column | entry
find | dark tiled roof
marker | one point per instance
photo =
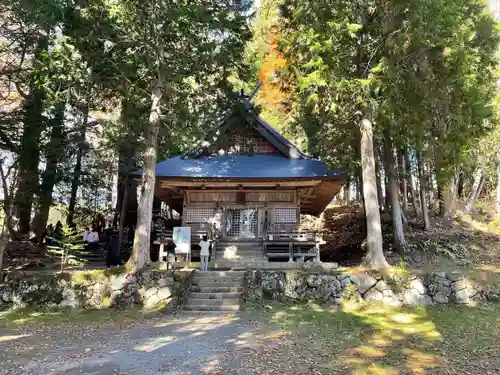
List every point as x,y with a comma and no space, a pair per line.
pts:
265,166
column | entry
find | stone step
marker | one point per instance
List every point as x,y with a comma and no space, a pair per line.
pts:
216,289
222,248
258,258
204,314
239,256
210,274
236,251
216,283
91,256
233,280
229,295
219,248
239,243
212,302
212,307
240,252
237,264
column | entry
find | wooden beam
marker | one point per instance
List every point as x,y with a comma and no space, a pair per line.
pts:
307,196
236,190
229,184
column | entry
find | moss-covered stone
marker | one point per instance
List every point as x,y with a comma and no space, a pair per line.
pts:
95,289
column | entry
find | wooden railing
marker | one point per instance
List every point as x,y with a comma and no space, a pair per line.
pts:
196,235
294,245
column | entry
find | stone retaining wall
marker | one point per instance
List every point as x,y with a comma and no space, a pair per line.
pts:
438,287
95,289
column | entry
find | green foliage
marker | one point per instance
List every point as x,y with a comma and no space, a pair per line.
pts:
424,70
67,59
69,248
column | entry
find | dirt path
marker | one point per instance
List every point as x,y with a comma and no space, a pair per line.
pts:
163,344
160,344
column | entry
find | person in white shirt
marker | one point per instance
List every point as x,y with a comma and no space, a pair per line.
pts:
204,253
92,239
86,234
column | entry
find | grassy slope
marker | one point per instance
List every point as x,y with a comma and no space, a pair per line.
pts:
375,340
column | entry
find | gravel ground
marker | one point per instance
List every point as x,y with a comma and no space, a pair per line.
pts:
162,344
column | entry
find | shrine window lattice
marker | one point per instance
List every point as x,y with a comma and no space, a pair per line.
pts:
252,143
285,219
199,215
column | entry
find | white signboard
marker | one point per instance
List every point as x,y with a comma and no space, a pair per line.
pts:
182,240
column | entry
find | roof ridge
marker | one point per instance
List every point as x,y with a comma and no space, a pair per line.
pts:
280,142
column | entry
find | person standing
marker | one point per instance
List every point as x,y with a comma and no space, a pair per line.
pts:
49,233
170,254
58,232
131,234
204,253
113,252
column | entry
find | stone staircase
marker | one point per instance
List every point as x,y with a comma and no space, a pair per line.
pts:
248,252
216,291
95,257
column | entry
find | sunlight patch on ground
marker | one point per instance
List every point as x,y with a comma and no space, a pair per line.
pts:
11,337
488,268
155,344
368,339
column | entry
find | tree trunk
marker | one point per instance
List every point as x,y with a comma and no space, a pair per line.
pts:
380,194
126,163
440,195
358,190
7,227
349,189
460,188
77,171
123,212
423,193
411,184
157,206
125,187
397,220
476,190
4,240
55,151
140,253
498,189
374,256
29,151
378,171
403,180
430,187
449,199
109,192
